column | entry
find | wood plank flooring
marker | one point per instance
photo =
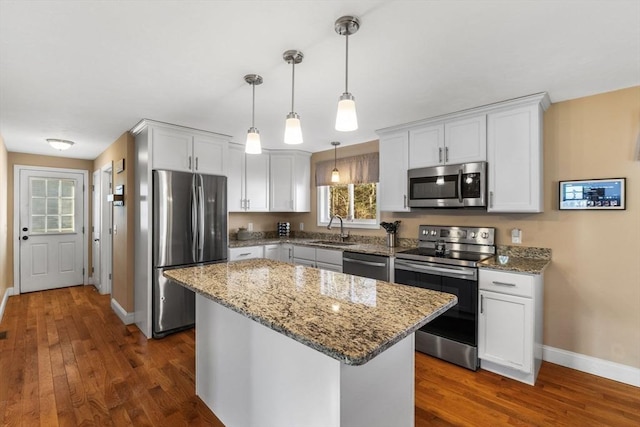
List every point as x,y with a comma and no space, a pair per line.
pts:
67,360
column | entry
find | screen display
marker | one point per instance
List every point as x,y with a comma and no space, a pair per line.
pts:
593,194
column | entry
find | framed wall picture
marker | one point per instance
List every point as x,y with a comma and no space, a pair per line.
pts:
593,194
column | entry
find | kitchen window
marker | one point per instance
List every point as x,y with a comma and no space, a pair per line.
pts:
357,204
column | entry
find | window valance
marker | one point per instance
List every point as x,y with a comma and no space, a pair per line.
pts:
361,169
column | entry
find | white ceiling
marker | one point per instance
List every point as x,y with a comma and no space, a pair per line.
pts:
90,70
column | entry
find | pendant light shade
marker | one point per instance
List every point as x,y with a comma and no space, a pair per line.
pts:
335,175
253,145
293,130
60,144
346,118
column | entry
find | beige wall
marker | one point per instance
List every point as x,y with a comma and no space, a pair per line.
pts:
5,282
592,287
44,161
123,220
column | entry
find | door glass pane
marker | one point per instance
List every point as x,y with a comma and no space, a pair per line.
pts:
52,203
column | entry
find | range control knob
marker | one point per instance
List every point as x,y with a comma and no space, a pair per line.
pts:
433,232
484,235
473,234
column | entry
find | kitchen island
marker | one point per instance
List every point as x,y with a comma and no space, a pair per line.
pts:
279,344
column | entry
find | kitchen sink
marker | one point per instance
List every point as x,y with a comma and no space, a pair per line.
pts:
332,243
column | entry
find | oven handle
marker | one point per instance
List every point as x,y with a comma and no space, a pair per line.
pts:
403,265
367,263
460,185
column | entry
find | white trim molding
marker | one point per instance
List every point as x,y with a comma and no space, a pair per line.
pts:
127,318
592,365
3,304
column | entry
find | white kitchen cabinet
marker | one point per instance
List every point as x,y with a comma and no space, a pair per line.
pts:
247,252
465,140
394,162
290,181
248,183
426,146
326,259
515,157
272,251
510,324
188,150
286,253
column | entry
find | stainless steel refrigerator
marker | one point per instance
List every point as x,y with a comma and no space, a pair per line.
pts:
189,228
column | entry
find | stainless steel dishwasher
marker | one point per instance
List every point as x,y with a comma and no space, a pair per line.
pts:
366,265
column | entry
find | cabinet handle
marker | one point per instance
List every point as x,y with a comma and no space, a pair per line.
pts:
440,155
248,203
189,162
245,254
196,163
405,201
446,154
511,285
490,199
481,304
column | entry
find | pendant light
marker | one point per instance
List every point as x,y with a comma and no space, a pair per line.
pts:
253,135
60,144
346,118
292,130
335,175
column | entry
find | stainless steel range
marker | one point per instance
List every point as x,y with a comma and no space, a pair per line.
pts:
446,260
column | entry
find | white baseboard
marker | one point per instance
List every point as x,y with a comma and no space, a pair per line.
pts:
127,318
7,293
592,365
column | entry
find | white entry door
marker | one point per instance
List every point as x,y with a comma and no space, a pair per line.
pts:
96,229
51,229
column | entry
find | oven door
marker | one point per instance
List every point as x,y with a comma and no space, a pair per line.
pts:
459,323
449,186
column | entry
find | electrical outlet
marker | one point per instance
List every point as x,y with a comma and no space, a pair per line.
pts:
302,226
516,235
250,226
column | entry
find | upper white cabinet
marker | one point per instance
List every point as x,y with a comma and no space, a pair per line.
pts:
187,150
449,142
394,161
290,181
515,157
248,183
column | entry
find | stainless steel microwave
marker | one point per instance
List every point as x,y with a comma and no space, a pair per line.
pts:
448,186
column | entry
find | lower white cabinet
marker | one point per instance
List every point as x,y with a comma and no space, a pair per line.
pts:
326,259
272,251
247,252
510,324
286,252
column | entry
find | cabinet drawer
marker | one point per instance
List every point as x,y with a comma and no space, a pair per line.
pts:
506,283
304,252
248,252
329,266
329,256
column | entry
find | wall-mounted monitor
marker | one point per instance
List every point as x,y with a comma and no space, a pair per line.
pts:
593,194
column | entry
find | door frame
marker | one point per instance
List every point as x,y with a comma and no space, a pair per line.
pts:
106,225
16,219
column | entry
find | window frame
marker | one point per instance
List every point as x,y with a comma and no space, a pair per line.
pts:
322,195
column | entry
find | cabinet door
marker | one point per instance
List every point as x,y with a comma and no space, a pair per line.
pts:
272,252
505,330
514,149
426,146
210,155
286,253
305,262
248,252
465,140
282,192
331,267
394,161
257,182
235,180
171,149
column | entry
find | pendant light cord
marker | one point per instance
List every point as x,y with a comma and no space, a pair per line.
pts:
293,81
346,72
253,106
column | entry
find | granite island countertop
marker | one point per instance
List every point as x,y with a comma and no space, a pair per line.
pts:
349,318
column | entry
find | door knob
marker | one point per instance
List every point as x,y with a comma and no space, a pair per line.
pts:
96,240
25,237
25,229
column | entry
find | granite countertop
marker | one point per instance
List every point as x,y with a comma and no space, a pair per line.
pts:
349,318
519,259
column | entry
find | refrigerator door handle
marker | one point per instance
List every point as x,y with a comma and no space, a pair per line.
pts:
200,219
194,220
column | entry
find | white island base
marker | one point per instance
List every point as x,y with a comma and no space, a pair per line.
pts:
250,375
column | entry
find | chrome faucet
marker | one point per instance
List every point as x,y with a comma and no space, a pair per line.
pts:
342,235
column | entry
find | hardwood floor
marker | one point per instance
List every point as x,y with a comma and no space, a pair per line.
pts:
68,360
